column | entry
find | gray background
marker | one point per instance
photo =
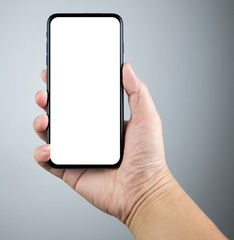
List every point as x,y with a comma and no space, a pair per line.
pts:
183,50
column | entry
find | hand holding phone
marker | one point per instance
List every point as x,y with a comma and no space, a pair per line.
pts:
116,191
142,192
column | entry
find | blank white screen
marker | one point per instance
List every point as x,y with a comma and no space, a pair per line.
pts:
85,90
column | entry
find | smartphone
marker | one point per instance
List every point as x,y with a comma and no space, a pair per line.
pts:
85,91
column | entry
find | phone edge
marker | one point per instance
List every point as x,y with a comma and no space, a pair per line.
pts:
67,166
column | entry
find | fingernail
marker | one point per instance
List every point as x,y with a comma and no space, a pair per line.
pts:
44,149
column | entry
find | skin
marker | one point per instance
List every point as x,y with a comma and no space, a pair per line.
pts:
142,192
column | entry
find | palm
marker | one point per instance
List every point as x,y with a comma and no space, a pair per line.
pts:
104,188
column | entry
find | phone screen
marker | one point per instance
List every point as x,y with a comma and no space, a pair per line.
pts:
84,72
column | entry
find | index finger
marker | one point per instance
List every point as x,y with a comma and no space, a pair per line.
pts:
44,75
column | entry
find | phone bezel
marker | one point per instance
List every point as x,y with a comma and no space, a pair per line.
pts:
50,162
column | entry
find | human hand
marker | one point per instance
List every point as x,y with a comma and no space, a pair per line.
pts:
143,169
142,192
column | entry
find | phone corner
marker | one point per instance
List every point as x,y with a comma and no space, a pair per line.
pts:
52,164
51,17
118,17
118,163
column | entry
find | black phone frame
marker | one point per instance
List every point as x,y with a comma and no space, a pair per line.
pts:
66,166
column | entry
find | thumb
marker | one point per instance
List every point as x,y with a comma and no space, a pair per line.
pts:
140,100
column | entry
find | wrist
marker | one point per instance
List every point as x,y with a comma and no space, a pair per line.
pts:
167,212
150,206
